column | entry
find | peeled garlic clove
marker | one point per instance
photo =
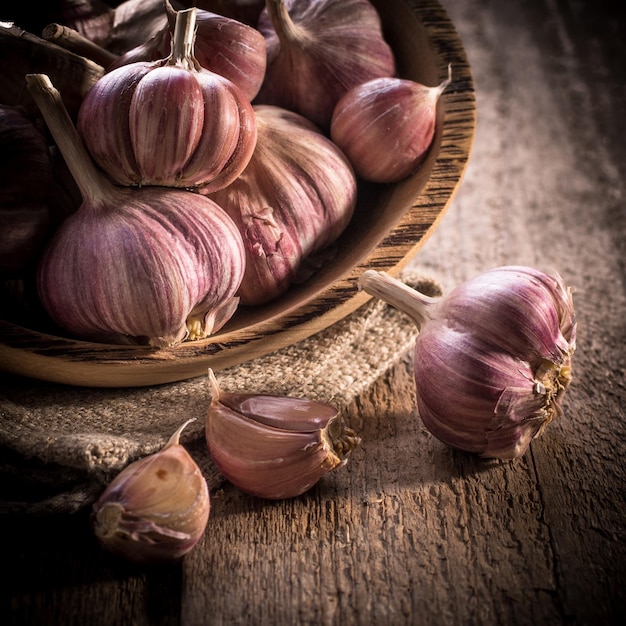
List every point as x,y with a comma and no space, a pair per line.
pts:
275,447
223,45
293,200
493,358
156,509
385,126
134,265
319,49
170,122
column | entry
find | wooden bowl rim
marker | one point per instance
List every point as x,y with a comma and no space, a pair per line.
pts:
64,360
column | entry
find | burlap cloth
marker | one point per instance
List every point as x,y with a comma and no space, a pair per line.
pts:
60,445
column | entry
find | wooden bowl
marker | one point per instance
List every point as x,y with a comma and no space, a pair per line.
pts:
393,222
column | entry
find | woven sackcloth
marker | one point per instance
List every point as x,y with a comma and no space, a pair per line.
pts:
59,445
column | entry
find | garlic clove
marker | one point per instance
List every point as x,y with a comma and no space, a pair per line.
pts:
156,509
493,358
275,447
291,203
385,126
319,49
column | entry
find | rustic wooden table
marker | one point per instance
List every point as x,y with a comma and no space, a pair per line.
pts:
412,532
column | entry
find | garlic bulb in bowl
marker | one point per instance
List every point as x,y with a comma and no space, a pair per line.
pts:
147,265
393,222
169,122
317,50
293,200
386,125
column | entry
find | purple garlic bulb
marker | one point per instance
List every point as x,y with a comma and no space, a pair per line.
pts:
492,359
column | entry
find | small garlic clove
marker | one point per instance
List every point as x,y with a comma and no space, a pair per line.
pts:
275,447
156,509
385,126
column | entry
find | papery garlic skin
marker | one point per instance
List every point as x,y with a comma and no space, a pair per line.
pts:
147,268
275,447
493,358
149,265
170,122
293,200
482,400
156,509
317,50
223,45
385,126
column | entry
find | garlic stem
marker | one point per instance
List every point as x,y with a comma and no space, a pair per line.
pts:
73,41
94,187
184,39
174,440
411,302
285,28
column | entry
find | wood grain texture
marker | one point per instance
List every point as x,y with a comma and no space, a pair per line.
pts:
410,531
391,223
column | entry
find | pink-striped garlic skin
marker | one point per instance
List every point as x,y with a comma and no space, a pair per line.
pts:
169,123
291,203
146,124
154,266
493,365
493,358
223,45
317,50
385,127
275,447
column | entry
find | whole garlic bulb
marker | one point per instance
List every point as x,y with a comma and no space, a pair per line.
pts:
275,447
293,200
492,359
386,125
170,122
149,265
223,45
317,50
156,509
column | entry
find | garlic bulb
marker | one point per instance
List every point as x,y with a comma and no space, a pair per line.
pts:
223,45
169,122
317,50
492,360
149,265
275,447
25,188
156,509
386,125
293,200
